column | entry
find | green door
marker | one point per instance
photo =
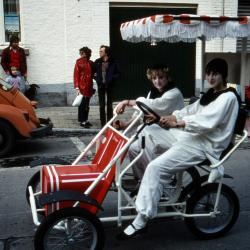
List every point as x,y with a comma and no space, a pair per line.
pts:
135,58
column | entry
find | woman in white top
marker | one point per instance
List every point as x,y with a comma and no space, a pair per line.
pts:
202,130
163,98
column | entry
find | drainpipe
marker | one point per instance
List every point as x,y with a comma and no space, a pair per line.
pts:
243,67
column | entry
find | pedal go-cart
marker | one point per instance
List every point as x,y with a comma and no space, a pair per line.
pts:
72,195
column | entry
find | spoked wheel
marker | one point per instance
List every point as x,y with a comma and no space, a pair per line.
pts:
70,228
203,202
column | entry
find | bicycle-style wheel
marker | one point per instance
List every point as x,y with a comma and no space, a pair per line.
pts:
203,201
70,228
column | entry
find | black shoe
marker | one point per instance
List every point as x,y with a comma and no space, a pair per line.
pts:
84,124
88,124
123,236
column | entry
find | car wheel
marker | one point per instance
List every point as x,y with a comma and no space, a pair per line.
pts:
7,138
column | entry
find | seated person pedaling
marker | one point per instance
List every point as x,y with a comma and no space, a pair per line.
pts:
202,130
163,98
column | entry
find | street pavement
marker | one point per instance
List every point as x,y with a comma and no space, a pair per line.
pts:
17,229
69,139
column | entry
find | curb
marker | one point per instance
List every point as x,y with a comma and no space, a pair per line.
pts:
72,131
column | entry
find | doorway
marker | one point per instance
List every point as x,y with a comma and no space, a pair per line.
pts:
135,58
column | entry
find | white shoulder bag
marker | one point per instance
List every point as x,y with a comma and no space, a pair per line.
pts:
77,101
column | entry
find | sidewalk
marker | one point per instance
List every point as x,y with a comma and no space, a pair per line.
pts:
67,117
65,120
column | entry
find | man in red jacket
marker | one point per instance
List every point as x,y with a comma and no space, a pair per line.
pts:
83,83
14,56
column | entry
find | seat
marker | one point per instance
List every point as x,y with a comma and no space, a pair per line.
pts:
80,177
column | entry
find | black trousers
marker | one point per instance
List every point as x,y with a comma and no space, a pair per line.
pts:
83,109
103,94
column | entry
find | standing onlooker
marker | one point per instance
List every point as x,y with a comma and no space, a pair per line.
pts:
14,56
107,72
83,83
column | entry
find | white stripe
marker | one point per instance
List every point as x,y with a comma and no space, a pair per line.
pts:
80,174
57,178
79,144
57,183
104,151
51,185
80,180
51,179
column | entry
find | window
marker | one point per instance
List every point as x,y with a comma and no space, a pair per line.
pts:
11,18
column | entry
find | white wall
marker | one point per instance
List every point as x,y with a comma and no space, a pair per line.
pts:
53,31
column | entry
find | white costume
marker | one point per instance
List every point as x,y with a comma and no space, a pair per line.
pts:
208,131
171,100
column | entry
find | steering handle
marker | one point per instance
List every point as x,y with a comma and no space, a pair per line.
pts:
147,111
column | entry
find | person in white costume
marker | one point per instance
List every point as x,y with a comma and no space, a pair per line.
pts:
202,130
163,98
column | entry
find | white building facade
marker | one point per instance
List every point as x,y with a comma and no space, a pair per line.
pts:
53,32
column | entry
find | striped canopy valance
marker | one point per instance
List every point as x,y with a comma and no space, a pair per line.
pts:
186,28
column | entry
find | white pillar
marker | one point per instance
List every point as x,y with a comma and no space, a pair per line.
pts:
243,67
203,51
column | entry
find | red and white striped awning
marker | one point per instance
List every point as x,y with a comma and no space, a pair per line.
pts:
186,28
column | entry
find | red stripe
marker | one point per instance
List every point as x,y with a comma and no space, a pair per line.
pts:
168,19
223,19
243,20
185,19
205,18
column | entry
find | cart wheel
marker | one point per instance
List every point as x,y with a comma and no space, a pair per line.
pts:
7,138
203,202
70,228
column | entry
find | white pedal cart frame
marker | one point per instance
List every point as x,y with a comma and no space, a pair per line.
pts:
179,208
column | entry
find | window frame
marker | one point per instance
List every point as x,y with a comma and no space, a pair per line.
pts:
2,27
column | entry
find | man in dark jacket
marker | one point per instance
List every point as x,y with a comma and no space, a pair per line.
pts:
107,72
13,57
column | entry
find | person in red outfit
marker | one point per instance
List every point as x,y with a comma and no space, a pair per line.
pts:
14,56
83,83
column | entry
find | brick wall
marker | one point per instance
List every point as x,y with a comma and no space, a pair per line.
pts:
53,31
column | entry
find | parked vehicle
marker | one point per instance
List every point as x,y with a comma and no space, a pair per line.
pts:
18,118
